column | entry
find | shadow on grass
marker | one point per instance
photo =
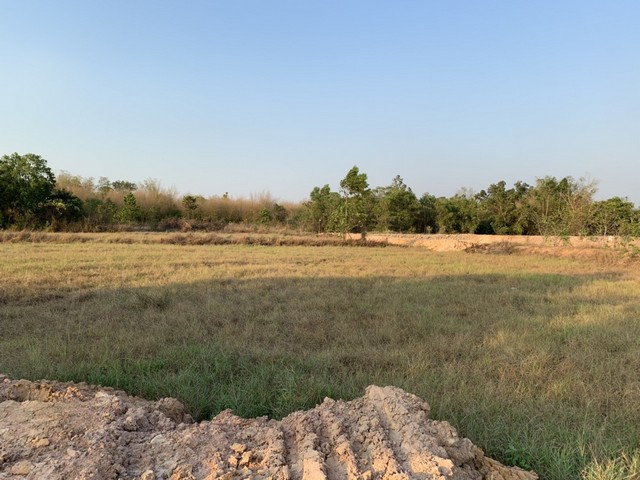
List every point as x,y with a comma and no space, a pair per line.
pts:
533,368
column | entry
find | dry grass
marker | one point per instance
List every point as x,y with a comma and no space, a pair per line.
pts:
536,359
232,235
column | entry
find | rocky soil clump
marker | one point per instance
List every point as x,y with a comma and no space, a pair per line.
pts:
52,430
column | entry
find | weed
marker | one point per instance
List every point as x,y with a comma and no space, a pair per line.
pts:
518,456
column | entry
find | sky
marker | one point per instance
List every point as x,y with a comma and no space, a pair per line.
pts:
280,96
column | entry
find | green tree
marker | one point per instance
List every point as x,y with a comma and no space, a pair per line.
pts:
99,214
61,208
26,184
614,216
358,202
427,218
458,214
130,211
265,216
190,204
124,186
560,207
501,210
280,213
397,207
322,209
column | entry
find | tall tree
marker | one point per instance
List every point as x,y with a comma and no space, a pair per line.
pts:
61,208
501,210
614,216
130,211
26,183
398,207
560,207
357,206
427,218
190,204
322,209
458,214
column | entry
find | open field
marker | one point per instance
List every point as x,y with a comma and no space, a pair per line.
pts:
535,358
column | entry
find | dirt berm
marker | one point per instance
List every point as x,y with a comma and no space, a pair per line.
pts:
52,430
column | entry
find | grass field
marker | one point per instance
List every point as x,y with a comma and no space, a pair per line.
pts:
536,359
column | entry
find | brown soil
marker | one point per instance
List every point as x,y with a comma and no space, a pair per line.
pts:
603,248
64,430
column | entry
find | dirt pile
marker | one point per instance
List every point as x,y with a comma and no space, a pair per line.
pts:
606,249
63,430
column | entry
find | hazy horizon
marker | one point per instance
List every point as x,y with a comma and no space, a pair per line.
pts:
279,97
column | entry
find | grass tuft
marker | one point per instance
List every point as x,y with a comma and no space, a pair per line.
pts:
624,466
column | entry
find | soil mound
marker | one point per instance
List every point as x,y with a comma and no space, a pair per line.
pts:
64,430
606,249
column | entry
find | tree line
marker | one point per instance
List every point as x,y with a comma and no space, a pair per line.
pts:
32,197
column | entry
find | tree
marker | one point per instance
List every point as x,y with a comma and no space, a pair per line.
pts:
560,207
190,204
265,216
280,213
123,186
427,218
130,211
398,207
321,210
358,202
458,214
62,207
104,186
274,214
98,213
501,210
26,184
615,216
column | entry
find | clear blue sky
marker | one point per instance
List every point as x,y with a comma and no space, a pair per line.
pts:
245,96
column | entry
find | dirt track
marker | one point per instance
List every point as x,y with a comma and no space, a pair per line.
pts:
63,431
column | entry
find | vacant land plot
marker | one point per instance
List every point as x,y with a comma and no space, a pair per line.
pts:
536,359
